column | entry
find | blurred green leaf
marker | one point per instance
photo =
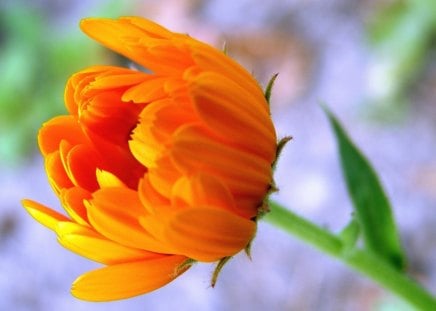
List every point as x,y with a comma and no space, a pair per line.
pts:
36,59
372,207
401,36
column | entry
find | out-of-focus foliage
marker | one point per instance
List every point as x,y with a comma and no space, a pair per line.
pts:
36,59
401,34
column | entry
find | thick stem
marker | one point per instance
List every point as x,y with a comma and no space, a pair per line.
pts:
363,261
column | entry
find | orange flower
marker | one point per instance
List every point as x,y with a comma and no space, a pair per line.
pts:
154,169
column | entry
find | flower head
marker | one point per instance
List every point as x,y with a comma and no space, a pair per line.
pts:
154,169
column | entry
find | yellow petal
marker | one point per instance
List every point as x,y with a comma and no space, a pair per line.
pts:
43,214
145,152
208,234
106,179
86,242
126,280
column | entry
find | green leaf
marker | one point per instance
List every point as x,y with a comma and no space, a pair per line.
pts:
372,207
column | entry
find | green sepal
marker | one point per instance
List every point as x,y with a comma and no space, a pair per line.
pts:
280,145
220,265
225,48
184,266
269,87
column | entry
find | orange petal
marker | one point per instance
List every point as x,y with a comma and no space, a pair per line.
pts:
57,176
107,116
208,234
115,77
80,162
116,212
73,203
86,242
149,90
57,129
234,114
163,176
44,215
150,28
202,189
213,60
150,198
142,41
99,78
194,150
143,145
158,122
118,160
126,280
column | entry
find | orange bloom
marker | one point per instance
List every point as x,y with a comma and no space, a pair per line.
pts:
155,168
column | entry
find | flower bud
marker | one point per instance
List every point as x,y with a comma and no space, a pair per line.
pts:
154,169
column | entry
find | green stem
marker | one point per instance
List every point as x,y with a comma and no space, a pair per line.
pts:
363,261
303,229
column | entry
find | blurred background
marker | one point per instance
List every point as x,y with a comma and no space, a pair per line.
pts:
372,61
